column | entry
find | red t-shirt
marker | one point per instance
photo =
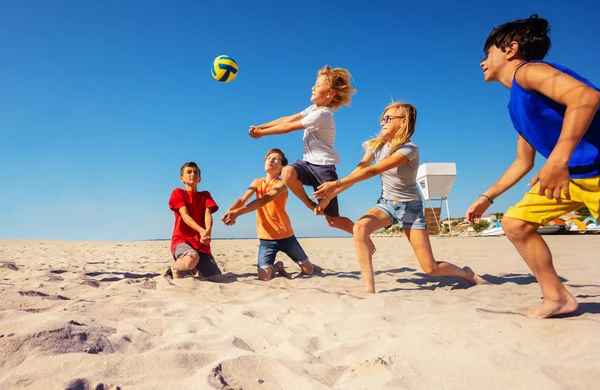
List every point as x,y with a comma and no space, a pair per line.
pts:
196,204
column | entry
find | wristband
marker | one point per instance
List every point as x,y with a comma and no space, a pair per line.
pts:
487,197
337,183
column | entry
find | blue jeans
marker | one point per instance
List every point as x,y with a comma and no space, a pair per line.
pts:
407,215
268,249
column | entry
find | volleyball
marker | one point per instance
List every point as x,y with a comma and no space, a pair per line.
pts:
224,68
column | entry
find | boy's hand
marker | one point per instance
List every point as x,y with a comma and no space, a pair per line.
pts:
229,218
321,206
225,217
325,190
205,239
554,179
477,209
255,132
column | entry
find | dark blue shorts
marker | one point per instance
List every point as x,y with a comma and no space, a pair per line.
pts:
207,265
315,175
268,249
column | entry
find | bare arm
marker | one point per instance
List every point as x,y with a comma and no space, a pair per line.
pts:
293,123
363,171
187,218
249,192
520,167
226,218
581,103
283,119
208,222
279,189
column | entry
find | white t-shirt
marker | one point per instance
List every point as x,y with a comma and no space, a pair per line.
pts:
319,136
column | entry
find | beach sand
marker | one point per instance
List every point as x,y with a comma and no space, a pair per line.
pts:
100,315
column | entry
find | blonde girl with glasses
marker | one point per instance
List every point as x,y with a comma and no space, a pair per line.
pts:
396,161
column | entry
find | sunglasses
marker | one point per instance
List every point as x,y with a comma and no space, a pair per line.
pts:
388,118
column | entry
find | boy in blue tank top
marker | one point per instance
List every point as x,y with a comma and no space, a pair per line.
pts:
555,113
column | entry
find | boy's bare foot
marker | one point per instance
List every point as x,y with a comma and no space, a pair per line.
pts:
278,268
177,274
549,308
473,278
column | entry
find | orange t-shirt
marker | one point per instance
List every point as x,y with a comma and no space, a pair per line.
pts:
272,221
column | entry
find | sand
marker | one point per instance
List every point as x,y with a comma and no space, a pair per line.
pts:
100,315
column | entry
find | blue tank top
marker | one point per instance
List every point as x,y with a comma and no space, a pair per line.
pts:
539,119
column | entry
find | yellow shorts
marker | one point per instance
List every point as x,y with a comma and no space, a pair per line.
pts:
539,209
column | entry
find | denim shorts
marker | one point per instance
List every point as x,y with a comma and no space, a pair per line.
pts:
268,249
407,215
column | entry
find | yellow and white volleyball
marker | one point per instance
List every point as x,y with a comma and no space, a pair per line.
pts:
224,69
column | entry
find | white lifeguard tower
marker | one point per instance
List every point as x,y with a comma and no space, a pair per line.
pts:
435,181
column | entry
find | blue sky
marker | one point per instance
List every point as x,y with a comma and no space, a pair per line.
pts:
102,101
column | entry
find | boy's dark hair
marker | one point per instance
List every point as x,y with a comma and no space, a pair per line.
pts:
284,160
190,164
531,34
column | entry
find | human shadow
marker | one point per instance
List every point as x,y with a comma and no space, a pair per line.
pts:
122,275
431,283
226,277
520,279
582,296
324,272
426,282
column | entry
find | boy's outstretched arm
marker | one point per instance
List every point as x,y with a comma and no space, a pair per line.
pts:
226,219
277,190
280,126
187,218
582,104
283,119
520,167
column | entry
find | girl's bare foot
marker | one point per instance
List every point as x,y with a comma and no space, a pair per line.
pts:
473,278
549,307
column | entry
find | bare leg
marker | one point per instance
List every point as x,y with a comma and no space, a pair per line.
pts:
341,223
290,176
183,264
278,268
347,225
307,268
533,249
374,219
265,274
419,240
